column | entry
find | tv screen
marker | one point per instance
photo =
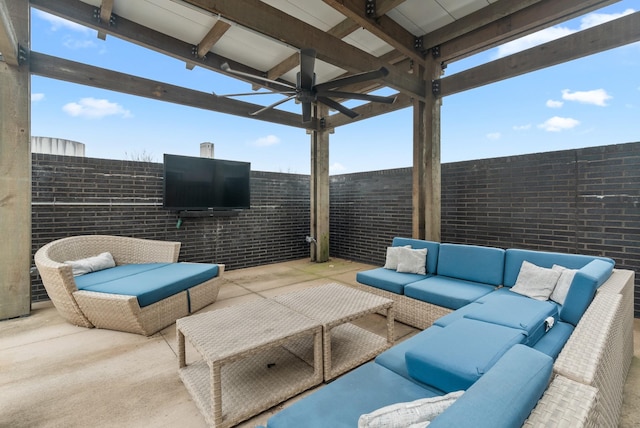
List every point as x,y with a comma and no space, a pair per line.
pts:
192,183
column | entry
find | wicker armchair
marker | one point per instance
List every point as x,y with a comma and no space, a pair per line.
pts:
114,311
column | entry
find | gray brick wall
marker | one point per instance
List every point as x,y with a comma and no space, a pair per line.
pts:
583,201
73,196
576,201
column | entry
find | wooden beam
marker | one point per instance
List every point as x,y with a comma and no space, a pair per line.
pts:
8,38
82,13
537,16
609,35
106,9
259,16
381,26
83,74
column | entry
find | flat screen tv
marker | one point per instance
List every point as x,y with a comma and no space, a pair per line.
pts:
197,184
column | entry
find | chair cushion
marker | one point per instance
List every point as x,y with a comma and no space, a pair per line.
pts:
151,283
553,341
459,354
447,292
472,263
386,279
583,288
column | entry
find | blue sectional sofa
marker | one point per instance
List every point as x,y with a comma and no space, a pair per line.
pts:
496,337
123,283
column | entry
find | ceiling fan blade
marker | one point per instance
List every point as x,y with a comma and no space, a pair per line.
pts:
306,112
280,86
256,93
270,106
337,106
356,96
307,64
355,78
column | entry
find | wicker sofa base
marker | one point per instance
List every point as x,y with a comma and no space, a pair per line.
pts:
413,312
116,311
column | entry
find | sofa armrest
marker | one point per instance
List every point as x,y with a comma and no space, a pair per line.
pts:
583,288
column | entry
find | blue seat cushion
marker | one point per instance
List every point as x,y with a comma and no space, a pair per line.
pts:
447,292
340,403
114,273
504,396
394,357
472,263
150,283
387,279
459,354
553,341
516,311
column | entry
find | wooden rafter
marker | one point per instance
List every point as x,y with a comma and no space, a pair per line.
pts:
211,38
381,26
259,16
609,35
106,9
8,38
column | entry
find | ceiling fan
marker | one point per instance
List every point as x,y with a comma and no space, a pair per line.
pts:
307,92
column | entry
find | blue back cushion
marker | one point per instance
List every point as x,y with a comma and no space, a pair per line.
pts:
472,263
504,396
514,258
583,289
433,249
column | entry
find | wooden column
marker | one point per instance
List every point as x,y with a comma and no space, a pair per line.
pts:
320,190
426,159
15,164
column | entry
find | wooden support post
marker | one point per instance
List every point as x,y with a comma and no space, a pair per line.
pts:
426,159
320,189
15,171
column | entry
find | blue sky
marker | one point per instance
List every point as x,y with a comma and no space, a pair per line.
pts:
587,102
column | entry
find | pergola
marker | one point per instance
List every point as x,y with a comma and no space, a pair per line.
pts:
413,39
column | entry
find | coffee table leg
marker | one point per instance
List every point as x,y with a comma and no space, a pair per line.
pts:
216,392
182,361
390,324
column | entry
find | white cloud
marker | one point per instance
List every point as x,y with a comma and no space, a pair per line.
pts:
596,97
593,19
553,33
557,124
60,23
336,167
554,104
37,97
269,140
73,43
522,127
92,108
494,135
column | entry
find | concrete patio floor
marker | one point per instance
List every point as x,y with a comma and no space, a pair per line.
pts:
54,374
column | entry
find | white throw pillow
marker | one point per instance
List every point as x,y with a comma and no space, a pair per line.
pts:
415,413
412,261
535,281
559,293
392,257
91,264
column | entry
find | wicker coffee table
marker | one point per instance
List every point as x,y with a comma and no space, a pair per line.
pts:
245,367
344,345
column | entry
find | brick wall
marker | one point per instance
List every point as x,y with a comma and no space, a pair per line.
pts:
73,196
576,201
